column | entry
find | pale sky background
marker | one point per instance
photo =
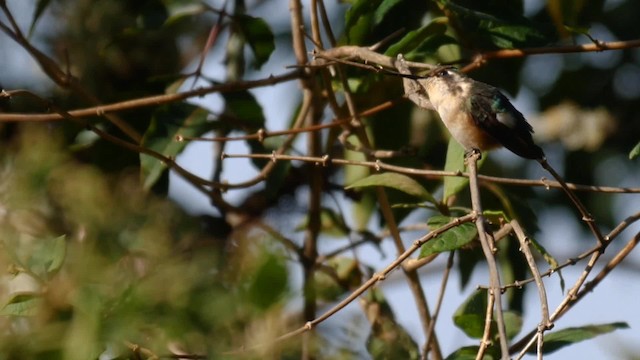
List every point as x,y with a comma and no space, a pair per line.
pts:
619,291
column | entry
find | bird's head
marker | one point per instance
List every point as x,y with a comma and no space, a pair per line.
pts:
446,81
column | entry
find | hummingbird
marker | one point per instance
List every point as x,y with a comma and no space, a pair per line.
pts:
478,115
480,118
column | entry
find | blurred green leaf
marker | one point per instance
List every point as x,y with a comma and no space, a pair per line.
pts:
341,274
471,352
359,17
512,323
57,253
167,124
556,340
451,239
184,14
22,305
259,37
635,152
467,261
331,223
455,162
495,26
270,282
387,340
395,181
470,316
416,38
383,9
244,111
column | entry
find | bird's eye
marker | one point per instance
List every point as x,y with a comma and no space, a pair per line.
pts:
443,73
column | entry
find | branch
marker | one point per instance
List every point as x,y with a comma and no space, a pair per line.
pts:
381,276
155,100
378,165
488,247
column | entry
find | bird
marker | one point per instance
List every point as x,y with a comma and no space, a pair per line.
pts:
480,118
478,115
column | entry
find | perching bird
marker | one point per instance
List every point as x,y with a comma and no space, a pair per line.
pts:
480,118
478,115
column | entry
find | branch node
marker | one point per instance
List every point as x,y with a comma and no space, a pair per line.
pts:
377,166
274,156
326,160
308,325
262,134
545,182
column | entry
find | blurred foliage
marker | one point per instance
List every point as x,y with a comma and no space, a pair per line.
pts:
95,264
98,266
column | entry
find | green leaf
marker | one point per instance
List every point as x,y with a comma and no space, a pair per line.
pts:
331,223
395,181
342,274
24,304
558,339
387,340
184,14
360,14
383,9
470,315
497,25
168,122
455,162
512,323
635,152
415,38
244,111
451,239
57,254
470,353
47,256
270,282
259,36
363,209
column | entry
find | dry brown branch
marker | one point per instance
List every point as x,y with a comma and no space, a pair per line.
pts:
380,276
380,165
488,248
155,100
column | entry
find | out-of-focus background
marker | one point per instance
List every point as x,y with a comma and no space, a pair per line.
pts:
110,254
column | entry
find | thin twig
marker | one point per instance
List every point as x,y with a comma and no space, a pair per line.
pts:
586,216
380,165
494,293
155,100
544,324
380,276
436,311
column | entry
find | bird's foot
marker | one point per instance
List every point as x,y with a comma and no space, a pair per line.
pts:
472,153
